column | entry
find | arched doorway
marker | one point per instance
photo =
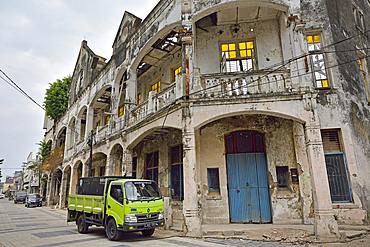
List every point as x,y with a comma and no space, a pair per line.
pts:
249,196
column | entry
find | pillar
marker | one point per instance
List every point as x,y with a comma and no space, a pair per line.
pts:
325,224
63,192
193,227
50,189
305,187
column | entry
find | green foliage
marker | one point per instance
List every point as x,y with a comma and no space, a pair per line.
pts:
1,162
56,100
44,150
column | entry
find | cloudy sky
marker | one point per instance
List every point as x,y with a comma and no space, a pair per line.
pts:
39,43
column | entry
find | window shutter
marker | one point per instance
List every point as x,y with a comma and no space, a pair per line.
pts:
331,142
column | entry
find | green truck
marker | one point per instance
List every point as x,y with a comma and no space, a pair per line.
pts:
119,204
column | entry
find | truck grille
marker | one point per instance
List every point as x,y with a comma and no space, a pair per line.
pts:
146,217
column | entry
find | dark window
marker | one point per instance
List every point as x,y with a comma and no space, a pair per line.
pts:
134,166
93,172
176,173
282,177
213,180
116,193
336,168
152,166
102,171
294,175
245,142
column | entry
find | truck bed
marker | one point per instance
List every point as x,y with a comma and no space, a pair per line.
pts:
86,204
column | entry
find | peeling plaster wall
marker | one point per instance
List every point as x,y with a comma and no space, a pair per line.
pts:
267,42
280,150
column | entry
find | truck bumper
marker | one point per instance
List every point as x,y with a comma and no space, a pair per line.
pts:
134,227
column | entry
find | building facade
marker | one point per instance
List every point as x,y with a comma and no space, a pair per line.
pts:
242,111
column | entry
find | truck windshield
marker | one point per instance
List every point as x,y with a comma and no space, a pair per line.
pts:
142,190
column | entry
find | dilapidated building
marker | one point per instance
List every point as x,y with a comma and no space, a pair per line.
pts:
242,111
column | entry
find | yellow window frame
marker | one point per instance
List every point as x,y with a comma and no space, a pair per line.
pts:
155,86
106,120
121,110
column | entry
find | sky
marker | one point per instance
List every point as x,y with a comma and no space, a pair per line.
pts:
39,43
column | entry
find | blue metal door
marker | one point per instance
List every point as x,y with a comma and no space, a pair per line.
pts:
249,199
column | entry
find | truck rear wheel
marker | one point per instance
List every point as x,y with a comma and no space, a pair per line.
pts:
82,227
148,232
112,231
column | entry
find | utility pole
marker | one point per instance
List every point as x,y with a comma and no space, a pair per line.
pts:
91,145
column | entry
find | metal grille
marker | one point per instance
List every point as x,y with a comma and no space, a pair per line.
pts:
337,176
141,218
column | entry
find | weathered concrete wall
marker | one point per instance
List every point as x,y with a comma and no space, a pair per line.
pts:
265,34
280,151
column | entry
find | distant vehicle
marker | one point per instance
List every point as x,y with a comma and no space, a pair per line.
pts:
20,197
33,200
11,197
2,196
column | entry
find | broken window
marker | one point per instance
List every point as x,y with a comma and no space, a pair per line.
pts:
213,180
238,56
336,167
138,98
177,192
175,71
318,61
155,86
121,110
151,171
363,68
282,177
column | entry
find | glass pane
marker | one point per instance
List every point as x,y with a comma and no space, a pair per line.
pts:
213,178
244,143
249,53
317,39
225,47
243,53
325,83
232,47
242,46
232,54
249,45
309,39
142,190
230,144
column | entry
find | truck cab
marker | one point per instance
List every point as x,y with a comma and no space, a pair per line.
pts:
117,203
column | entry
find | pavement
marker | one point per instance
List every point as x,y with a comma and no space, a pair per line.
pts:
46,226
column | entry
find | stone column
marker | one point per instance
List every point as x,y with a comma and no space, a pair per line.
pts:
325,224
110,165
63,192
89,121
73,181
304,178
50,189
193,225
127,162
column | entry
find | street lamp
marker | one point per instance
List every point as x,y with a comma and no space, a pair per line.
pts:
23,166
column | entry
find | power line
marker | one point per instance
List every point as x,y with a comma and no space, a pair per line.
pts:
19,89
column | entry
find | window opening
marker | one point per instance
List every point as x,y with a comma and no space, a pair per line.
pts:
177,192
155,86
340,190
176,71
213,180
238,56
116,192
106,120
282,177
318,62
151,171
121,110
363,68
102,171
245,142
139,98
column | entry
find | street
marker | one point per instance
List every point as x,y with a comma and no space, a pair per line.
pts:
21,226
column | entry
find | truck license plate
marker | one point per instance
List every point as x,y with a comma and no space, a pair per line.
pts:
148,225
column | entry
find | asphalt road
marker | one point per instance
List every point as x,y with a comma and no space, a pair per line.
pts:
21,226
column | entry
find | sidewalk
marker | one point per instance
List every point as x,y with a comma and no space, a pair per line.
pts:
298,234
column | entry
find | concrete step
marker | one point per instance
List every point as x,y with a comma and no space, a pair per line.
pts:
176,225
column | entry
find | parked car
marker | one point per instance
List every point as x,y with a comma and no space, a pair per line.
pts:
20,197
33,200
2,196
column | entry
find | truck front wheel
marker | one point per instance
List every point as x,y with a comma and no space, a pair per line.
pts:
148,233
112,231
81,224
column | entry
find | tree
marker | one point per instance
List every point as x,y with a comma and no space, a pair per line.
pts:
1,162
44,150
53,160
56,99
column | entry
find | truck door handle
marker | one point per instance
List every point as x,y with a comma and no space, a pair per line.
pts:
108,206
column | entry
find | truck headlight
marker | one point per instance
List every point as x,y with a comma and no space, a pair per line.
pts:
161,215
130,218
